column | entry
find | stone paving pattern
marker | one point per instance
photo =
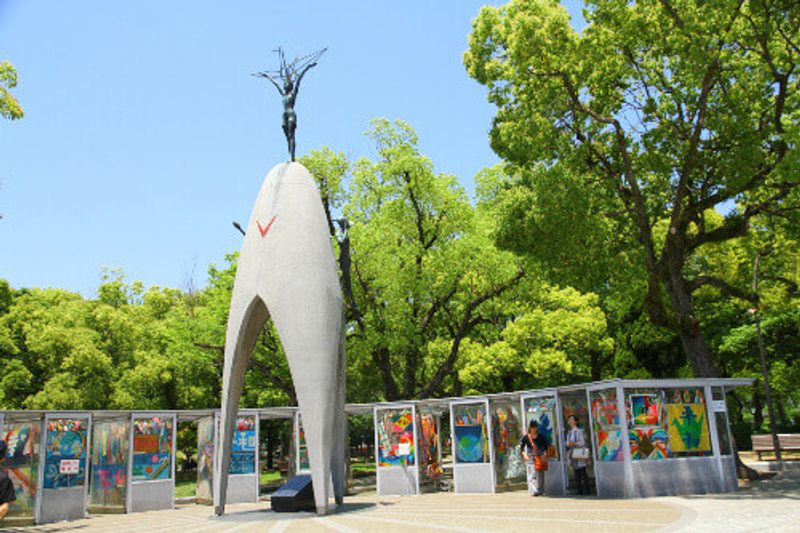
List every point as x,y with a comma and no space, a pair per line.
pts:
769,505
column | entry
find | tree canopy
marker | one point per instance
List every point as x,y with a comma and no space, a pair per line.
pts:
624,138
9,106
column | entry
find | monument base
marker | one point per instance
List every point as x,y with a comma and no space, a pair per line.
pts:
295,495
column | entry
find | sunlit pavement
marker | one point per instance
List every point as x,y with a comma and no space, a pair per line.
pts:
772,505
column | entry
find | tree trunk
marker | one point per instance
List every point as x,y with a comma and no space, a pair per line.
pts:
692,339
680,295
270,444
782,414
758,407
697,352
596,365
457,387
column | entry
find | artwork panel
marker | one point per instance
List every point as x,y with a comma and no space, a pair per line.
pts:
242,463
396,438
21,465
302,450
542,410
109,471
472,415
152,448
688,428
692,395
152,435
469,414
609,445
469,444
431,469
205,458
244,441
577,407
605,414
506,432
151,466
65,453
245,447
645,409
648,443
145,444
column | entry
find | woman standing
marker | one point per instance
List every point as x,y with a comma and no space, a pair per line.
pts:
534,450
578,454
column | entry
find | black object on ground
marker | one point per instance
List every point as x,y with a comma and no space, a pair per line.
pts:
295,495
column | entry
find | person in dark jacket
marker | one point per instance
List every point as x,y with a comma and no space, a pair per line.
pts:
533,445
7,492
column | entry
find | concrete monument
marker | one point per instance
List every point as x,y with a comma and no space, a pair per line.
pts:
287,271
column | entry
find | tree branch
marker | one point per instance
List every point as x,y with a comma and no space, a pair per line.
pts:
737,225
670,9
437,304
723,286
642,219
466,323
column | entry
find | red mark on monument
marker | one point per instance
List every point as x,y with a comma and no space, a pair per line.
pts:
264,229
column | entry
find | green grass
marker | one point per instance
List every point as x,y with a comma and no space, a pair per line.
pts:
186,482
270,476
362,467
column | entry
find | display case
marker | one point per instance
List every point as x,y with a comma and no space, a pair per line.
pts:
63,470
396,450
151,467
473,456
22,438
109,465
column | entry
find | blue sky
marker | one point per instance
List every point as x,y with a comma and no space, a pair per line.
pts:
145,135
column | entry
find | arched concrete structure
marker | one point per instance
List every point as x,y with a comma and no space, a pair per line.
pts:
287,271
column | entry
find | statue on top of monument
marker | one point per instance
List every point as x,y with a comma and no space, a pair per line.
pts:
290,74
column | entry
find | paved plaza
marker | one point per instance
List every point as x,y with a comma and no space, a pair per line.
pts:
769,505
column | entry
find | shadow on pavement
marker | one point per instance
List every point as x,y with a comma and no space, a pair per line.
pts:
784,485
267,514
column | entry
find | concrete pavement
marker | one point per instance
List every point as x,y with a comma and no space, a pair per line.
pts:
769,505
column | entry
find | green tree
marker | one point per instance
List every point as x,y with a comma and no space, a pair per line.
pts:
9,106
420,268
656,113
561,338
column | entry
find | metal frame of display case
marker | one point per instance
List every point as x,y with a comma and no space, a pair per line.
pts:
397,480
679,475
559,465
238,483
132,500
297,423
708,472
477,471
68,507
34,420
423,409
102,509
611,474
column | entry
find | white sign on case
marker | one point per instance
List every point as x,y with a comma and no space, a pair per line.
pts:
404,448
720,406
69,466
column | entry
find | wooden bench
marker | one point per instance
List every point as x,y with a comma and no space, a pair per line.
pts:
788,442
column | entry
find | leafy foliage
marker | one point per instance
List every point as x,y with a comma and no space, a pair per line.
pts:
622,139
9,106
